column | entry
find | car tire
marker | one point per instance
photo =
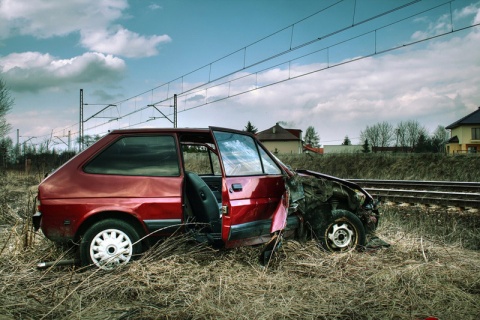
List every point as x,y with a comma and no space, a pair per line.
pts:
109,243
342,232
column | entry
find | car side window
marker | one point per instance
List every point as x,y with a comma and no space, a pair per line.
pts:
138,156
200,160
241,156
269,166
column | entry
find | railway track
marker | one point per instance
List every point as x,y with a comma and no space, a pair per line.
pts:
441,193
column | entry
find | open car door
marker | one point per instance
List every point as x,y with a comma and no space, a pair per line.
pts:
253,188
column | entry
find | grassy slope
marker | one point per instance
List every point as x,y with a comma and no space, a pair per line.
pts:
384,166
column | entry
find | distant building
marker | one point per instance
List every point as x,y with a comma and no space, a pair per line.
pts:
465,134
342,149
280,140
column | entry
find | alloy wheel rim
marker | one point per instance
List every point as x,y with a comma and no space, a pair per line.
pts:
341,235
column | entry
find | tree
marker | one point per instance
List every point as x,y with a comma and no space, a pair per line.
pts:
7,154
366,147
88,140
440,138
424,144
311,137
251,128
408,134
6,103
379,135
346,141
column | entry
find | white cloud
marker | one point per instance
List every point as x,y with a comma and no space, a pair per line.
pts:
466,12
122,42
32,71
154,6
93,19
49,18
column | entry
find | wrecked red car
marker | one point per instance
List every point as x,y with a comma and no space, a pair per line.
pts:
222,186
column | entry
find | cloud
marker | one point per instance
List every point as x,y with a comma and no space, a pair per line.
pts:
154,6
446,22
102,95
33,71
122,42
436,84
49,18
94,20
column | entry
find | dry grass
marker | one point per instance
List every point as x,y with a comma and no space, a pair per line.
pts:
415,278
428,271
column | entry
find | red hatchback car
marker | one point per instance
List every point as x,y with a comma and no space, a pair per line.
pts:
220,185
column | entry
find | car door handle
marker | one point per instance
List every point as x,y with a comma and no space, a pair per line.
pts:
237,187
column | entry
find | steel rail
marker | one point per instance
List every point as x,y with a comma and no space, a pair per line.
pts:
442,193
449,186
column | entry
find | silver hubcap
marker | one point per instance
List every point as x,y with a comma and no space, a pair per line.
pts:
111,248
341,235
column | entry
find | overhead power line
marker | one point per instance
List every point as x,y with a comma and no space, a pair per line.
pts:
178,85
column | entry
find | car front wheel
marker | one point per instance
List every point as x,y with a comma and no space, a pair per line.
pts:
109,243
343,232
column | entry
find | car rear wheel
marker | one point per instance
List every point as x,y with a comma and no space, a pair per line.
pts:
109,243
342,232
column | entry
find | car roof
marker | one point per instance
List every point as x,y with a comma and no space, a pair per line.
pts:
160,130
176,130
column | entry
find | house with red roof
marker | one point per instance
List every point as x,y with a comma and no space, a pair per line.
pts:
465,134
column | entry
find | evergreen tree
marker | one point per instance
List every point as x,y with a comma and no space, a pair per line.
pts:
366,147
250,128
424,144
346,141
312,138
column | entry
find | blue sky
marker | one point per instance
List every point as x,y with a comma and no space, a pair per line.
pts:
270,64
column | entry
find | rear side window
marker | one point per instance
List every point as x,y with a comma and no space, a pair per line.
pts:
138,156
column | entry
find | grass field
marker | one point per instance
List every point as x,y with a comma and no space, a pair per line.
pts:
431,269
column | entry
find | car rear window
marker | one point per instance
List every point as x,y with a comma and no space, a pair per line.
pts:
138,156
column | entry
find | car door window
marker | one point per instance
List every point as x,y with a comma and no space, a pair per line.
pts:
269,166
138,156
241,156
201,160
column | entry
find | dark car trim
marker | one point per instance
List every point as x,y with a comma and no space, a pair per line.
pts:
167,224
259,228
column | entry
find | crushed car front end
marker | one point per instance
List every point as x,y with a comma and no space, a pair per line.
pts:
338,213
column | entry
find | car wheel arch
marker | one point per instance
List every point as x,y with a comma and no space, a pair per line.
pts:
103,215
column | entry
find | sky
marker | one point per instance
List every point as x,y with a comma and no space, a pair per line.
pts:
336,65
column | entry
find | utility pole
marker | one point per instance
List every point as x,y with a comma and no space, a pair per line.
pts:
17,148
80,124
175,110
